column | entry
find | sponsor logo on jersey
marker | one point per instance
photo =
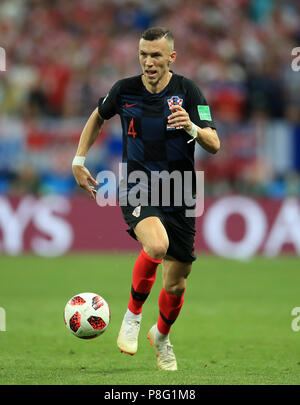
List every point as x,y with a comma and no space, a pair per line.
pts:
105,98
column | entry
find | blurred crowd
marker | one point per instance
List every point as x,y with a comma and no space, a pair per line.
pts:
61,56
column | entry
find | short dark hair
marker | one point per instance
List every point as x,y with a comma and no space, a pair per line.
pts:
153,33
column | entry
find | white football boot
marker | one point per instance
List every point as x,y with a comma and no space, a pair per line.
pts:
128,336
165,357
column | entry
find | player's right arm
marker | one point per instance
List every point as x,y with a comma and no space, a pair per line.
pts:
88,136
107,108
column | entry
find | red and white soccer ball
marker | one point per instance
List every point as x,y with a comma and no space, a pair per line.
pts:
87,315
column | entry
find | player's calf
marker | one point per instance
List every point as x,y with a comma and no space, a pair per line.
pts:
143,278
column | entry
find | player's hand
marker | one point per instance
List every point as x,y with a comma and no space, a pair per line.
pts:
83,178
179,118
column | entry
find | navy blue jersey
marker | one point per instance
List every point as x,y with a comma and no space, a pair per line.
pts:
149,145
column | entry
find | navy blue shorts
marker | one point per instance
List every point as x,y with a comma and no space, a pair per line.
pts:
180,229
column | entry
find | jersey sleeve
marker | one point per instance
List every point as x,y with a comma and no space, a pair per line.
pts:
108,105
197,106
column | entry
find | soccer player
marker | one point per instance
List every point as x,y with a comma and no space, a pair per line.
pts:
163,114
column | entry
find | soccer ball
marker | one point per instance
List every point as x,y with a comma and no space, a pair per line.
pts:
87,315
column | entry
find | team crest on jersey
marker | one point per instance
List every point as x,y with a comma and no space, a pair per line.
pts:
137,211
174,100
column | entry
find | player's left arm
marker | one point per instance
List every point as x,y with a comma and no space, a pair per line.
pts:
206,137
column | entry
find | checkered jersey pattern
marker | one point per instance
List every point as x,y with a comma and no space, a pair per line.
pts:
148,144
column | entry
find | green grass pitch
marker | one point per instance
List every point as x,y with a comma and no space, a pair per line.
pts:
234,328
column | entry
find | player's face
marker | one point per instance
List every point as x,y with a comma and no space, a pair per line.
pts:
155,59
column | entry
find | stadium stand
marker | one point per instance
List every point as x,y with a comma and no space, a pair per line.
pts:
62,56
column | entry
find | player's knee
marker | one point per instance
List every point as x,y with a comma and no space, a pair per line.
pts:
157,250
176,286
177,290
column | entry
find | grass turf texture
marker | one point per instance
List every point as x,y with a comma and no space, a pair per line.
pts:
234,328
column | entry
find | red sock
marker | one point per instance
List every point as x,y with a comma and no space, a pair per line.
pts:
169,309
143,277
